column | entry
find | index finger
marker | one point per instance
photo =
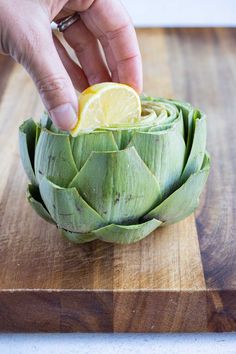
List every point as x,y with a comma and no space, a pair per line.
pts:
110,23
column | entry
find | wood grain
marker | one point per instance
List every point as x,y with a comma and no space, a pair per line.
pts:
182,277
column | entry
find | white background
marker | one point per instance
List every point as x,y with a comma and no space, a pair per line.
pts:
182,12
145,13
118,344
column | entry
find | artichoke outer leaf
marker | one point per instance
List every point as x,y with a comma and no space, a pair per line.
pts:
118,185
197,152
69,210
78,238
121,234
27,139
164,154
36,203
127,234
206,161
84,144
53,158
184,200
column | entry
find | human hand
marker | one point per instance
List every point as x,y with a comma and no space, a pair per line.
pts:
25,34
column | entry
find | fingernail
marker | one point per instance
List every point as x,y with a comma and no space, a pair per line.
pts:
64,116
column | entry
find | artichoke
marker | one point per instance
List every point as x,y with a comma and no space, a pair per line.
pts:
119,183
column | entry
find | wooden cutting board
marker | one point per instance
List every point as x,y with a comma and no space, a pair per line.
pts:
180,279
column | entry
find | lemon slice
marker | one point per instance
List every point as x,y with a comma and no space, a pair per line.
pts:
107,104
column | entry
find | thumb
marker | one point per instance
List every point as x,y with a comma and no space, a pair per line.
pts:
53,82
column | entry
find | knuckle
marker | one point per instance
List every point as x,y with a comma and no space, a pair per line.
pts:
83,45
103,40
53,90
129,58
79,48
118,32
96,77
51,83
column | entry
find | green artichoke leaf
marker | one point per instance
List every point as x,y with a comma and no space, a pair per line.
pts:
184,200
123,137
187,113
84,144
164,153
177,125
27,140
69,210
45,121
37,204
38,131
77,237
54,159
118,185
168,115
198,148
121,234
125,234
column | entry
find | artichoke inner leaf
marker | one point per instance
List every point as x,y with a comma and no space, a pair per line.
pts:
84,144
45,121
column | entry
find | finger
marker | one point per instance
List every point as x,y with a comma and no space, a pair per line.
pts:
77,75
115,27
110,59
52,80
87,51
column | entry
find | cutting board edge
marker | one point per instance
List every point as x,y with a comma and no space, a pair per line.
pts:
116,311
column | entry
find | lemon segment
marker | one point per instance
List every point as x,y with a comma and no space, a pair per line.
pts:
107,105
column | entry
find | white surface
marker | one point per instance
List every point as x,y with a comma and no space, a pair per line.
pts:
118,343
151,13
